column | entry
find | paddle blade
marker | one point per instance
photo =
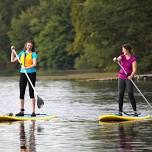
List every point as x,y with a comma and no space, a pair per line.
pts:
40,102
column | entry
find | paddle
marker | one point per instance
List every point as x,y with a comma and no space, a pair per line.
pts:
135,85
40,101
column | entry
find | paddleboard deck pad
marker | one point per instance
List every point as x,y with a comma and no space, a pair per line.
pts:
116,118
26,117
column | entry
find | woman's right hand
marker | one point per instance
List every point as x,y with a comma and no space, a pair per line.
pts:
117,59
114,59
12,48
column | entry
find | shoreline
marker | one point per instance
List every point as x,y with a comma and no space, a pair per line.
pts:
81,76
90,76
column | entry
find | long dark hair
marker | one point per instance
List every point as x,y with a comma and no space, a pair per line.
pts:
32,42
128,47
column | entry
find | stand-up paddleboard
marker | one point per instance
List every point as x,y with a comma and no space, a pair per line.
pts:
114,118
26,117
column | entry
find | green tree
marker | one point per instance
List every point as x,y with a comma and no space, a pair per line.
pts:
21,31
5,19
105,25
9,9
55,36
23,14
77,33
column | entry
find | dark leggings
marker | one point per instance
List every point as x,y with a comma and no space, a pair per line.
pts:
23,83
122,85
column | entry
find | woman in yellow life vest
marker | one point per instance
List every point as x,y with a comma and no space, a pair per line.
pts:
28,58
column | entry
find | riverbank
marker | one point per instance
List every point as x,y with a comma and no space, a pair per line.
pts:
86,76
92,76
81,76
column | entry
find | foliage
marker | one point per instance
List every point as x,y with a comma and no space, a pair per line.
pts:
56,34
106,25
81,34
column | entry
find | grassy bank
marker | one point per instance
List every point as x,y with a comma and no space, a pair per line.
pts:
87,75
77,75
66,75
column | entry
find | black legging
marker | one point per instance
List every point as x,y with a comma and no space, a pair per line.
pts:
23,83
122,85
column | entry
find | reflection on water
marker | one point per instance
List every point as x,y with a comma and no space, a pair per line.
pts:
126,138
27,145
77,105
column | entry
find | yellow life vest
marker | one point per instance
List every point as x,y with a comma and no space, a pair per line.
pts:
26,60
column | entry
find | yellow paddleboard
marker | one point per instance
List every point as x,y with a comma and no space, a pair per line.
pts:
112,118
4,118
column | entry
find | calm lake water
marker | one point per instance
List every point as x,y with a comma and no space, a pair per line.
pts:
78,104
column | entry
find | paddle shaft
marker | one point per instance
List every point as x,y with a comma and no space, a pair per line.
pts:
25,72
135,86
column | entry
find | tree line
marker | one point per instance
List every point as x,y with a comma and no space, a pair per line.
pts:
77,34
